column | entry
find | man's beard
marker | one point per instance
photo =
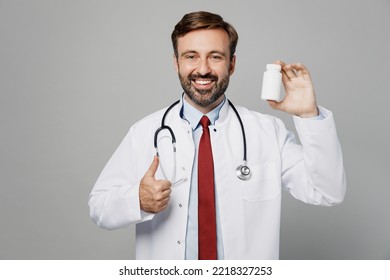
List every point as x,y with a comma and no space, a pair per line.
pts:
205,97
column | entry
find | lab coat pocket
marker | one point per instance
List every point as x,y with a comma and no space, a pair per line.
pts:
264,183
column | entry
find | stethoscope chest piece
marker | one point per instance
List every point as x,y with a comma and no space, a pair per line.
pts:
243,172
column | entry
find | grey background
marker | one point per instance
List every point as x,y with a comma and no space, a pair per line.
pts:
75,75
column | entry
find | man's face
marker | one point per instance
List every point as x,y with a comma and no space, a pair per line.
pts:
204,66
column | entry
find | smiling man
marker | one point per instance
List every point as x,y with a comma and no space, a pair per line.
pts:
203,72
210,208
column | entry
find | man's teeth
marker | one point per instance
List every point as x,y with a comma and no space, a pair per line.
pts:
203,82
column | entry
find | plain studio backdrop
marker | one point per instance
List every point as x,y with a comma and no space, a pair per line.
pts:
75,75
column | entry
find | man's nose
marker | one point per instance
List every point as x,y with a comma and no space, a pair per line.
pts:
203,67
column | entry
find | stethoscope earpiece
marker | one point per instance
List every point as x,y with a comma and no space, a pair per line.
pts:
243,172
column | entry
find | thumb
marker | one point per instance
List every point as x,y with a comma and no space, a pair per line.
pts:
275,105
153,167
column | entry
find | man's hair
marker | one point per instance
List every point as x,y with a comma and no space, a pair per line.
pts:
203,20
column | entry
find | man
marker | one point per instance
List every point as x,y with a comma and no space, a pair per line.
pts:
244,215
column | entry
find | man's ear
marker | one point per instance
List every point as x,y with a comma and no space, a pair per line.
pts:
176,63
232,65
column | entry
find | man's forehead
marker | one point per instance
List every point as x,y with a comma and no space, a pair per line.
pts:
204,39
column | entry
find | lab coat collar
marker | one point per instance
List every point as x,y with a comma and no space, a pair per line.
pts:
223,112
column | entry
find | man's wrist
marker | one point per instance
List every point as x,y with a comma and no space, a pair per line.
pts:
310,114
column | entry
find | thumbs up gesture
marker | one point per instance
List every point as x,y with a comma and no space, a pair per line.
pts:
154,194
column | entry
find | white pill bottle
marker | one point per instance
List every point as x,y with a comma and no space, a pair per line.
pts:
272,83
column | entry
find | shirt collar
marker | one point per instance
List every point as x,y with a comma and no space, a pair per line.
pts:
193,116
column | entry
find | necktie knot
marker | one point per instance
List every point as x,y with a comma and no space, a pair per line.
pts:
204,122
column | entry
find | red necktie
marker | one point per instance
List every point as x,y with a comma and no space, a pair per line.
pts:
207,233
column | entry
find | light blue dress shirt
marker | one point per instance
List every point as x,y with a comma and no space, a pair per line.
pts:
193,116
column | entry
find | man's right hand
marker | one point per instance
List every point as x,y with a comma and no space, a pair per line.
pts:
154,194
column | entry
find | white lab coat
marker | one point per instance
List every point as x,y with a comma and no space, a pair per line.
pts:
249,210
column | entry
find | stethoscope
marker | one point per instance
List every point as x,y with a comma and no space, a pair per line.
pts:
243,171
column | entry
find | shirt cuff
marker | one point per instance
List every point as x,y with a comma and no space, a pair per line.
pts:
321,115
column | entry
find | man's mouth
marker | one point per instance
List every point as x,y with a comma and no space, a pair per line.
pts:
203,83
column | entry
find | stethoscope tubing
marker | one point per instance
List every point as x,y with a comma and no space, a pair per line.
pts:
242,129
243,171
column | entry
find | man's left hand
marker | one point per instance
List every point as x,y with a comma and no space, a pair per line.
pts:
300,99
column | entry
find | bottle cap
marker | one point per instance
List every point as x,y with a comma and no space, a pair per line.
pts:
276,67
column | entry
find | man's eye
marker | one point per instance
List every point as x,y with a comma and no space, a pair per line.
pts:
216,57
190,57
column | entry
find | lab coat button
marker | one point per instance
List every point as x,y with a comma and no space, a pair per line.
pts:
178,242
180,205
